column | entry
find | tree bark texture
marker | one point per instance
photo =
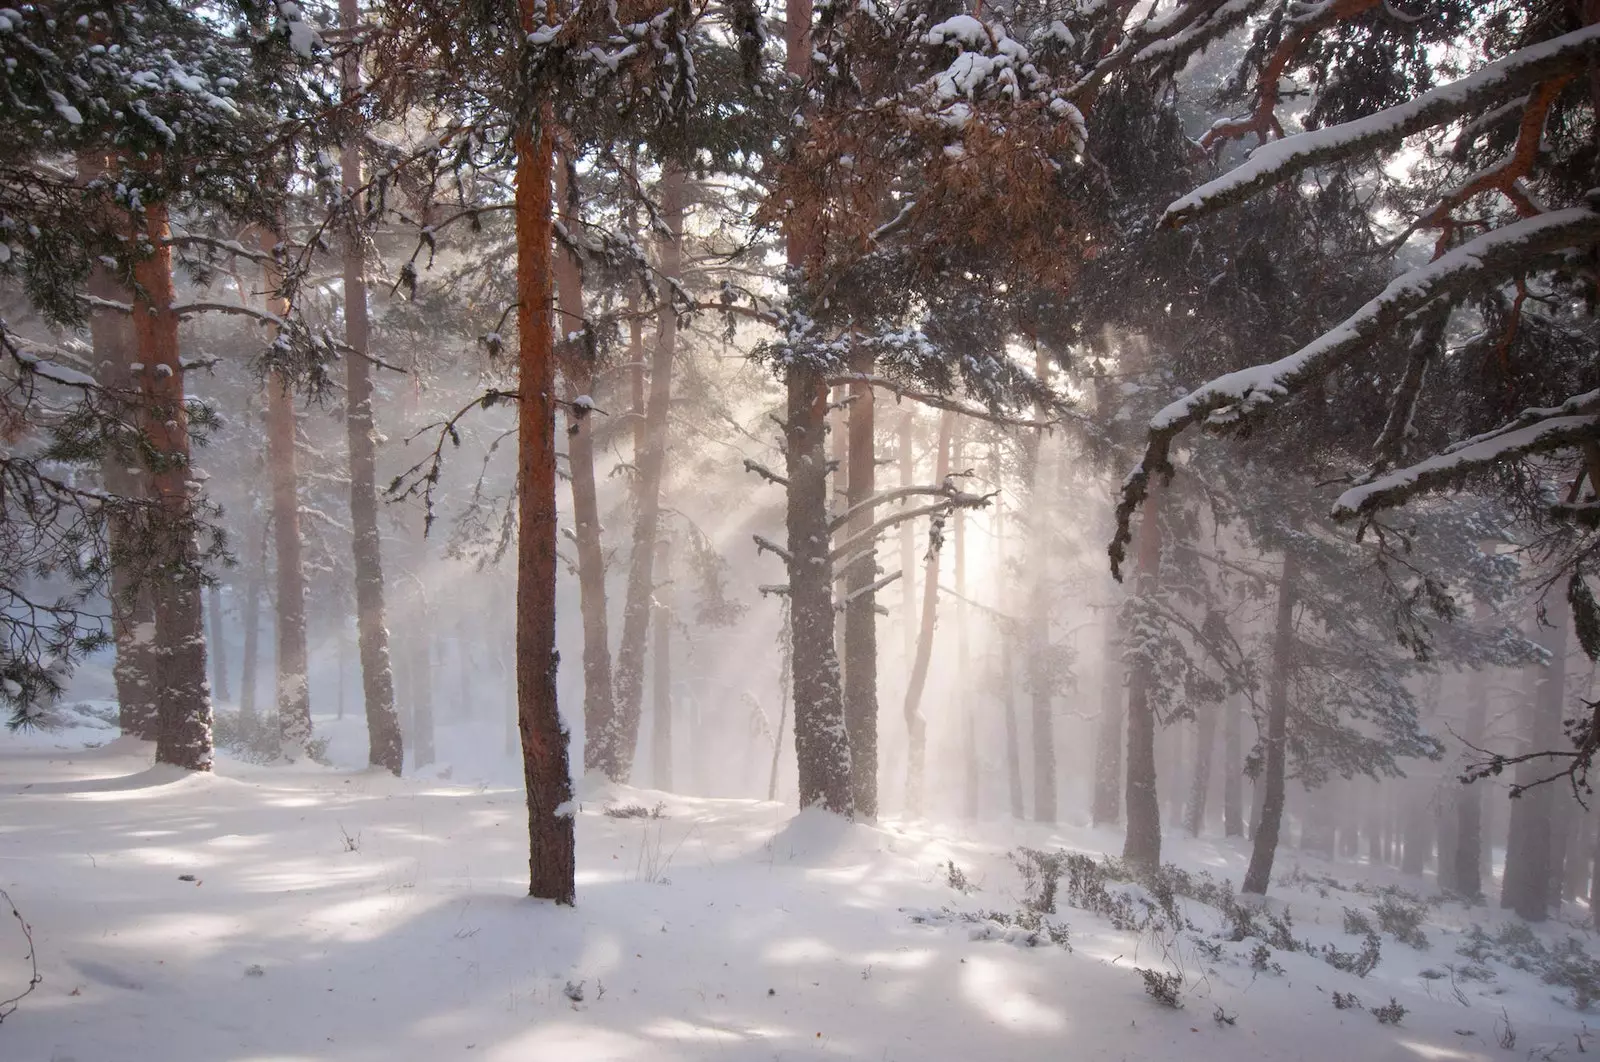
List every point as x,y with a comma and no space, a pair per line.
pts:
183,734
551,839
861,608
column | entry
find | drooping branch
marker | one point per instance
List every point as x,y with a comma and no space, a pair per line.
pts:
1516,74
1233,400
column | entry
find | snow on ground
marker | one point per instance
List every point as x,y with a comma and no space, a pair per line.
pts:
352,917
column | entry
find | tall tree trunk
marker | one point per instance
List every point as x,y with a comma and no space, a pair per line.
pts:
1200,784
183,735
1142,845
1040,683
916,724
973,770
1233,767
608,741
861,607
652,462
661,678
133,620
294,688
822,746
294,691
384,747
821,742
1259,874
1529,840
1106,805
548,781
218,644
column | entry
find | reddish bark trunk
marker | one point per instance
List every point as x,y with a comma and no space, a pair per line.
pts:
544,736
183,736
133,621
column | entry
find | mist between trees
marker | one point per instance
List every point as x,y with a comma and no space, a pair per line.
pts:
740,400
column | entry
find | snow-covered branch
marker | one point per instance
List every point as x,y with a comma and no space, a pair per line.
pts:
766,545
751,465
1516,74
1474,454
1229,401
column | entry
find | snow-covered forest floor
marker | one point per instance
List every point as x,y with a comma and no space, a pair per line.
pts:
351,916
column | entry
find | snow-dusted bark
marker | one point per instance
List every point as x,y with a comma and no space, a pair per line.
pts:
1481,90
822,744
1142,844
860,598
1229,402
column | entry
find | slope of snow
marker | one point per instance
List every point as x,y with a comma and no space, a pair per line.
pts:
353,917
